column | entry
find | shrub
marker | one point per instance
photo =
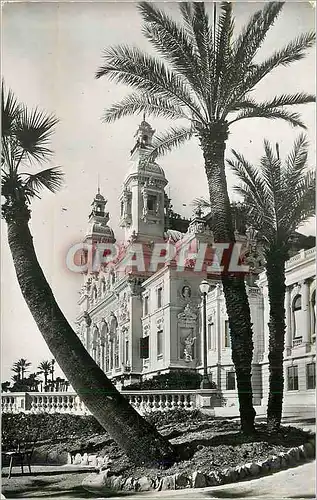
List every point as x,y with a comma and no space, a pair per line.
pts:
22,427
178,415
176,379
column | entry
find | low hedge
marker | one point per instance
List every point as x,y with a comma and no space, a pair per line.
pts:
22,427
174,380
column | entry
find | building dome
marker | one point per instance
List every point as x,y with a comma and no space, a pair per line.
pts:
99,197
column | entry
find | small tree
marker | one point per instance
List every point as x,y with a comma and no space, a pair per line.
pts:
280,196
20,367
45,369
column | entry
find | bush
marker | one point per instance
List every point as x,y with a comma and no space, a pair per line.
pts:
161,418
22,427
176,379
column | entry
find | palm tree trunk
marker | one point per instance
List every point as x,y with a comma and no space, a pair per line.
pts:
213,143
140,440
275,271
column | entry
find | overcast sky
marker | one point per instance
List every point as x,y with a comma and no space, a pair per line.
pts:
50,52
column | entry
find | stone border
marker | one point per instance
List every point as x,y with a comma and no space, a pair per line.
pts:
284,460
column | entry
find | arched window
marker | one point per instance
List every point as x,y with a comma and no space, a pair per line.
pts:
297,307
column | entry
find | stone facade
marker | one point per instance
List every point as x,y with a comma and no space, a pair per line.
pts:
136,324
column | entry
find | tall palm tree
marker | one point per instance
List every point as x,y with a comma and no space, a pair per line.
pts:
25,140
20,367
280,197
45,369
206,77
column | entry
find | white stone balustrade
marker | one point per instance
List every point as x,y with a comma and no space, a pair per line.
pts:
142,401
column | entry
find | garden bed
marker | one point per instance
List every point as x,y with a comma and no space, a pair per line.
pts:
205,443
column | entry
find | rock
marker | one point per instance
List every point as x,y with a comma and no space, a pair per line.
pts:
77,459
241,472
252,468
168,483
117,482
182,481
92,460
84,460
129,484
294,452
143,484
284,459
229,475
213,479
302,451
310,449
199,480
158,484
96,483
275,463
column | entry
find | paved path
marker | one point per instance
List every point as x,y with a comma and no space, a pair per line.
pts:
296,483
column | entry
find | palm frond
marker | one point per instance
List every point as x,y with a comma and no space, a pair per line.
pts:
172,42
223,49
51,179
201,203
150,104
33,132
253,186
293,51
132,67
276,102
10,110
300,203
295,163
169,140
292,118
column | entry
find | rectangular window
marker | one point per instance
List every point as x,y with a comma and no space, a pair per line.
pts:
146,306
126,351
159,342
292,378
230,381
159,297
311,376
227,334
144,347
151,202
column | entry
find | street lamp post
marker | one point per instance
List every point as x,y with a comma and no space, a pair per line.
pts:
204,289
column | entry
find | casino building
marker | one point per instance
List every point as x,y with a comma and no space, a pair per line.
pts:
138,323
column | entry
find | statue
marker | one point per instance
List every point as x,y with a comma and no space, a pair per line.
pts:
87,318
186,292
188,348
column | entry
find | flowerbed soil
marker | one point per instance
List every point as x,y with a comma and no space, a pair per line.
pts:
205,445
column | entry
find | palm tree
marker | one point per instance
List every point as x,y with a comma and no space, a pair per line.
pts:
25,140
20,367
32,382
45,369
206,77
280,197
5,386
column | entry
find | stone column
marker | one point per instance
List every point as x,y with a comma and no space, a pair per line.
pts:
305,312
266,315
288,319
102,364
87,338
